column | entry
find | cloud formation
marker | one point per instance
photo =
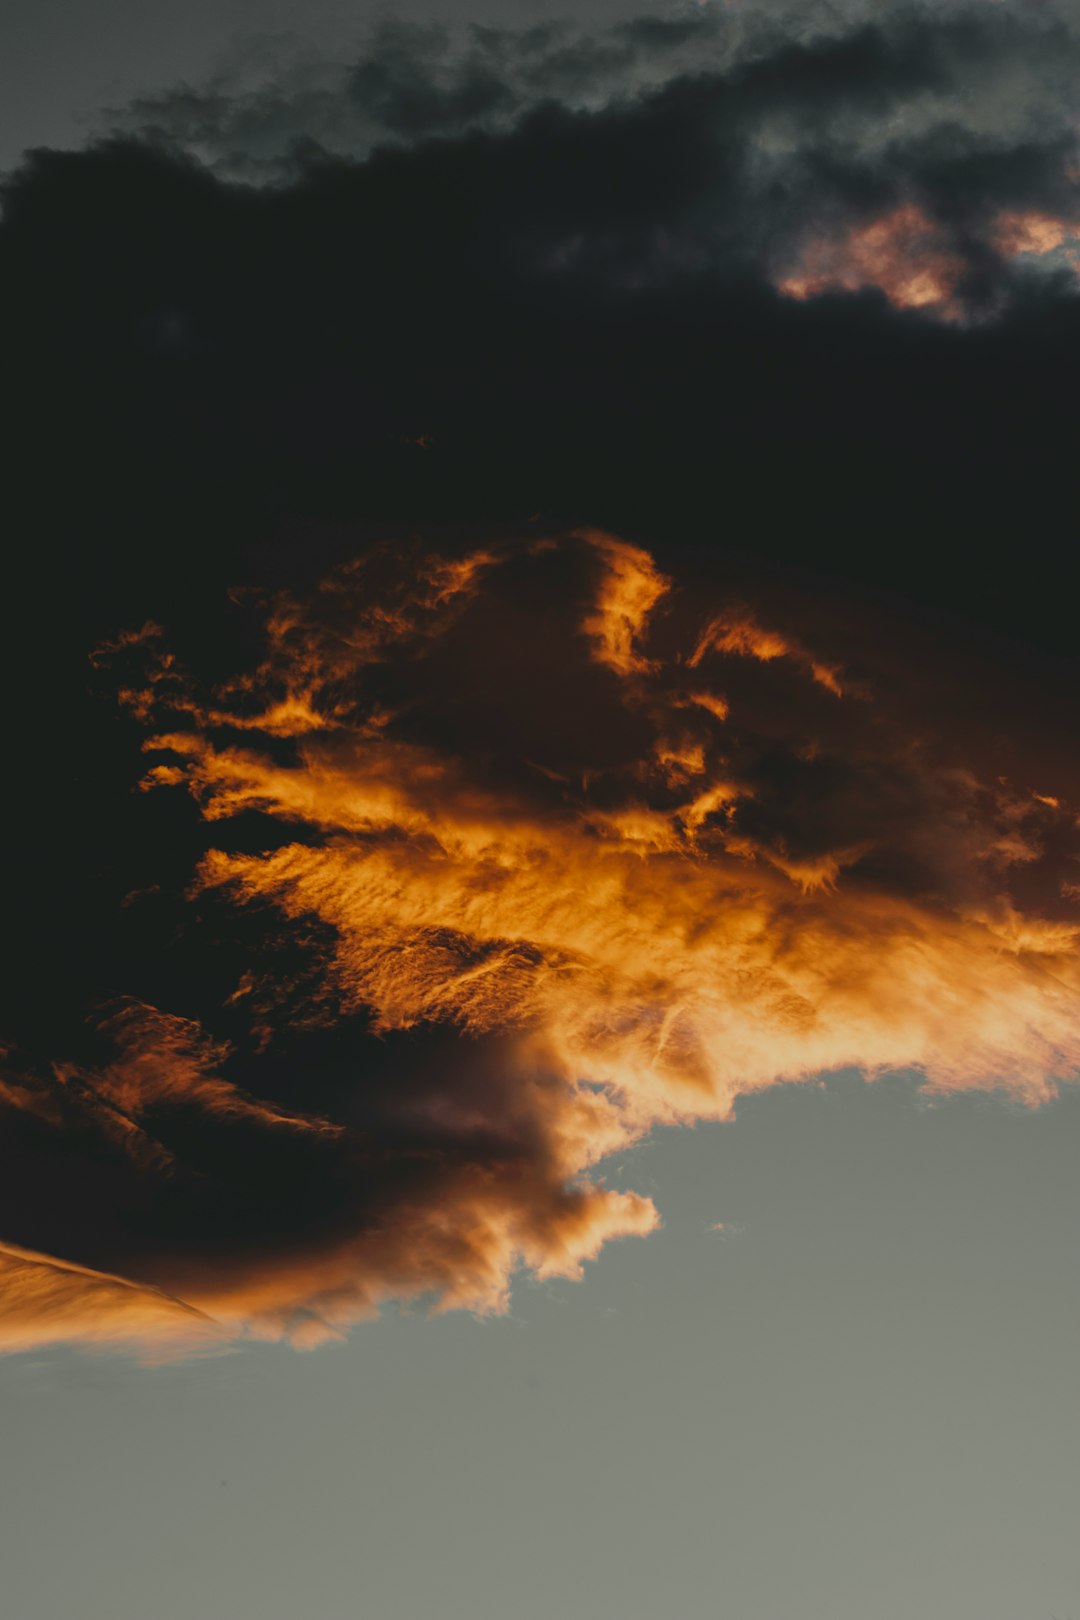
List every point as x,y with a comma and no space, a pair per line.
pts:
514,854
928,156
459,862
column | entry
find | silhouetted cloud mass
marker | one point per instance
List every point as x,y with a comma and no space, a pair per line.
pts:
538,618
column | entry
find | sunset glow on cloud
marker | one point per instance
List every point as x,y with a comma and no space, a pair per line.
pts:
901,254
614,856
541,690
911,259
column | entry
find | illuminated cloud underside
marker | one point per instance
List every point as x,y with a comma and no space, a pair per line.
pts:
912,259
767,880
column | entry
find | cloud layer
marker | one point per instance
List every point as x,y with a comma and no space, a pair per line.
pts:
461,861
841,245
512,854
924,154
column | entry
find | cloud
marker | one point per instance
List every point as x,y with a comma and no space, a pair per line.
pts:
44,1301
629,591
511,884
740,633
229,1214
618,429
827,151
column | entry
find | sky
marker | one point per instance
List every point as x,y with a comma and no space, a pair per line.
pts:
69,70
539,1055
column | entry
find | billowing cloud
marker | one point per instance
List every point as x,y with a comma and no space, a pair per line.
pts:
812,284
226,1213
513,855
928,157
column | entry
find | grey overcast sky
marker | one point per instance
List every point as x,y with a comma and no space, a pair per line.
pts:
707,725
857,1400
63,61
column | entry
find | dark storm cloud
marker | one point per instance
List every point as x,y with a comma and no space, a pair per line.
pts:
628,315
855,78
929,157
793,309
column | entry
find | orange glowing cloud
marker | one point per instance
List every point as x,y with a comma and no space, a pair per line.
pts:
442,1218
629,590
1028,231
44,1301
903,254
909,258
740,633
727,893
641,942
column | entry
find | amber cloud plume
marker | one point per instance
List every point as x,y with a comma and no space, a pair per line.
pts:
500,861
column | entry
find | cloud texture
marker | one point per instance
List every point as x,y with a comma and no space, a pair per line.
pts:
924,154
512,856
842,245
650,452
